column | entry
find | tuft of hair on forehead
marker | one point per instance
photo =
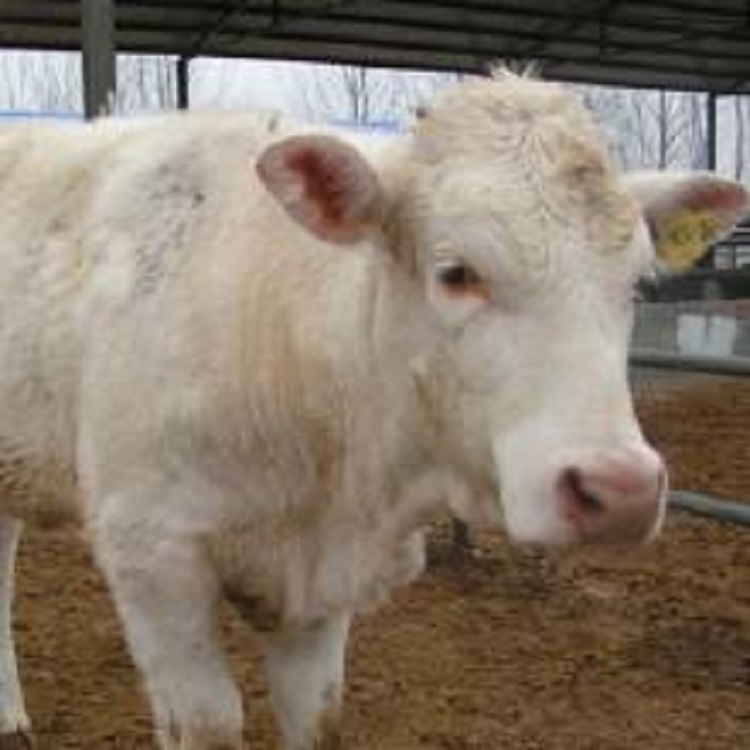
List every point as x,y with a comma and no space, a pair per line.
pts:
539,133
496,111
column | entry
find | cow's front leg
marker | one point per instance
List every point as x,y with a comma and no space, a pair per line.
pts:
166,594
15,732
305,669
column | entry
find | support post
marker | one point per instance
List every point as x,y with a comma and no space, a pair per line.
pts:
99,58
183,82
709,261
711,130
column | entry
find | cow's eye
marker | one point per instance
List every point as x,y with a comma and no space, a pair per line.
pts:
457,276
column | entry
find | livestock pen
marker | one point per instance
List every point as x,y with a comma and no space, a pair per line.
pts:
517,648
693,356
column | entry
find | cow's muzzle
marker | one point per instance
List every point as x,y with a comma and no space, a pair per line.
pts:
613,495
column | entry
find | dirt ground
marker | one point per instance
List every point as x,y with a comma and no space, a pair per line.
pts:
513,650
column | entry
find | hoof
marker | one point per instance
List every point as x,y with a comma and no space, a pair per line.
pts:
20,740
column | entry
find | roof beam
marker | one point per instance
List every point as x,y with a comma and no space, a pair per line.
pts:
698,44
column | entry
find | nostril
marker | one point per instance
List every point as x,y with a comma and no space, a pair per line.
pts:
583,499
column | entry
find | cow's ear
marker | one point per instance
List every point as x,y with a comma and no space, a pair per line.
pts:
687,212
325,185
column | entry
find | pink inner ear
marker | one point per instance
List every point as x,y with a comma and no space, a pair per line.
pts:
324,183
717,197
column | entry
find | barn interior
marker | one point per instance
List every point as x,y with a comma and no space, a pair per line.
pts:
496,646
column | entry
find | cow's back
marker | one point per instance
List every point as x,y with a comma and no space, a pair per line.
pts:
89,215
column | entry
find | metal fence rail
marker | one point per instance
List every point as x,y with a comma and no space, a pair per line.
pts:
734,366
698,503
709,507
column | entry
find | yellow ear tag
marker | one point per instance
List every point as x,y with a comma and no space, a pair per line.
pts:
682,239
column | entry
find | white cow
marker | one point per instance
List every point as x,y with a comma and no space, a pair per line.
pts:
269,357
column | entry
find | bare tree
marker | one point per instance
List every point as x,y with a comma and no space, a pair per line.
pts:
352,94
52,83
674,130
417,90
40,82
682,121
660,129
366,96
610,107
646,128
145,83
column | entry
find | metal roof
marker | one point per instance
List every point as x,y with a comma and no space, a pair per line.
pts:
683,44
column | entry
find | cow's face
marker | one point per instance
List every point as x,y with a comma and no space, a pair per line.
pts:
530,373
535,304
526,247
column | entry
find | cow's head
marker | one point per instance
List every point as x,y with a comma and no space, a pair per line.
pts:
524,246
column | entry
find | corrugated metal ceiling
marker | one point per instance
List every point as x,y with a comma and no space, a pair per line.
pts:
693,44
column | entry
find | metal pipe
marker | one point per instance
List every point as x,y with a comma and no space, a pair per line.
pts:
736,366
729,511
